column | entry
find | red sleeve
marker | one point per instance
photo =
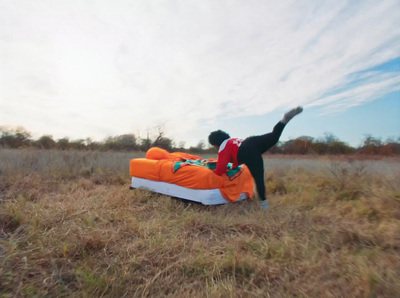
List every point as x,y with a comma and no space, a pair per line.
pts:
223,160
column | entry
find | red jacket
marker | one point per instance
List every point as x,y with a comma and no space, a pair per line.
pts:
227,153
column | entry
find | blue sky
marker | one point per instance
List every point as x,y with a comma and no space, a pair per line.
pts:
103,68
379,118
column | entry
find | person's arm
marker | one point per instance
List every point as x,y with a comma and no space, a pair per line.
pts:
223,160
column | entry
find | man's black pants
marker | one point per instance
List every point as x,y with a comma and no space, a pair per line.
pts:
250,153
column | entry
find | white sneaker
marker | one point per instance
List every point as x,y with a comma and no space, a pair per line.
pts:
263,204
293,112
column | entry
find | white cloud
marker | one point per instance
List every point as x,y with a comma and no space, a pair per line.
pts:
93,68
375,88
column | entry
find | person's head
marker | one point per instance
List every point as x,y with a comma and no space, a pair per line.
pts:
217,137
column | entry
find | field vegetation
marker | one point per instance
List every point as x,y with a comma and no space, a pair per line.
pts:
70,227
329,144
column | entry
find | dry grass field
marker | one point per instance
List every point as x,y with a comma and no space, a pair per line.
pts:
70,227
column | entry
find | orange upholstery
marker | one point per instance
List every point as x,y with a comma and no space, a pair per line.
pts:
159,153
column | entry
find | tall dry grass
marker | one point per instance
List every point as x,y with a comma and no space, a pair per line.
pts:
70,227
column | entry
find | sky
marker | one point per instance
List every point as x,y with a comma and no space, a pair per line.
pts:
86,68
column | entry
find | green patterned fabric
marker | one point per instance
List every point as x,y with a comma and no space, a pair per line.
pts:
212,165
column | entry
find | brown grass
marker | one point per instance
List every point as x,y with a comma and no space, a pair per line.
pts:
76,230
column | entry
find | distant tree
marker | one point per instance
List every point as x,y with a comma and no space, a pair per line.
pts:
371,141
320,147
390,147
14,138
63,144
145,144
109,143
301,145
164,143
92,145
339,147
45,142
77,144
330,138
201,145
181,146
395,148
330,144
387,149
370,145
277,149
199,148
127,142
23,137
160,140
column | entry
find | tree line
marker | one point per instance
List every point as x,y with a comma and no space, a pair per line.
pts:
329,144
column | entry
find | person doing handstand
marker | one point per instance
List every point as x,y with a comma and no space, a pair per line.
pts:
249,152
